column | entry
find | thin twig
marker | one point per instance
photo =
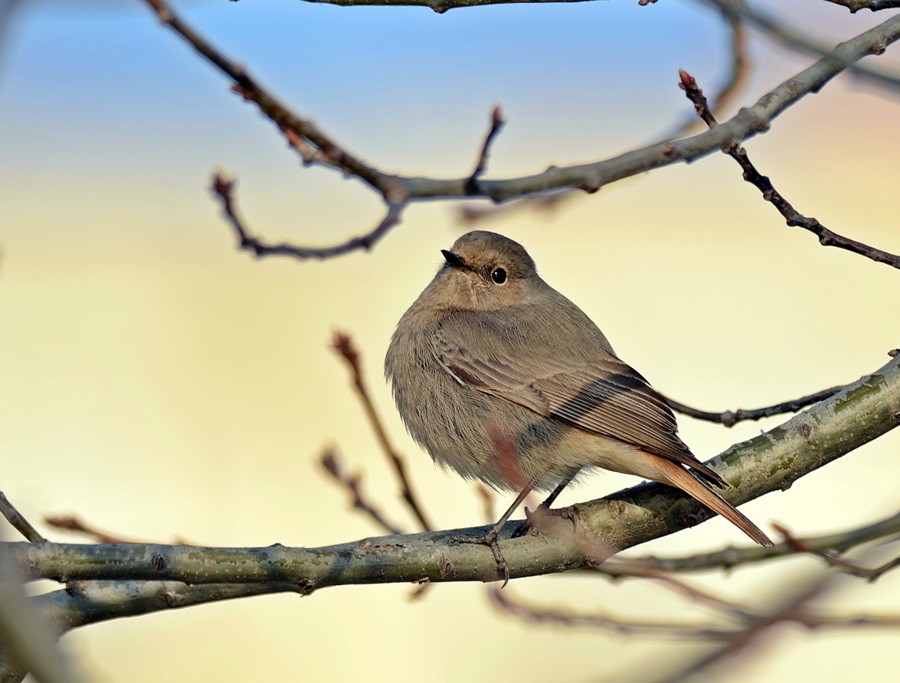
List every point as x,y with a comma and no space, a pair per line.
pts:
787,611
76,525
835,559
223,188
729,418
637,569
352,484
827,238
18,522
738,75
343,345
497,122
730,557
502,600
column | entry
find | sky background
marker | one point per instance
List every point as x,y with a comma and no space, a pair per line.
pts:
161,384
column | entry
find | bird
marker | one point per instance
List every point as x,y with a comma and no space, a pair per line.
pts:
490,365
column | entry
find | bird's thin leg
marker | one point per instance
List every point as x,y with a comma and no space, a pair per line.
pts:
490,538
493,533
544,507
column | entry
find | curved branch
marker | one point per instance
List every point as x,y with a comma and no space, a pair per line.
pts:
223,188
772,461
315,146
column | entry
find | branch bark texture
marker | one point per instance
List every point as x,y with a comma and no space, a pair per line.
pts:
772,461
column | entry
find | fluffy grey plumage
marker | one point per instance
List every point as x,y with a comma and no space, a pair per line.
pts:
489,348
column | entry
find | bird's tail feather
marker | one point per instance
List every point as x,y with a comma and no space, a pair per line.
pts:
675,475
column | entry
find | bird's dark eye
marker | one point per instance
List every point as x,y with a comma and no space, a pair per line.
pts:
499,276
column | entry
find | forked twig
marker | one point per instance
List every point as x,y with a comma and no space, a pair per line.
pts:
352,484
827,238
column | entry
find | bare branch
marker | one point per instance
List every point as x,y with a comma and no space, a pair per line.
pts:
332,154
75,525
342,343
740,627
786,611
682,630
738,75
827,238
223,188
730,557
783,32
497,122
398,190
835,559
18,522
769,462
90,602
797,607
351,483
439,6
729,418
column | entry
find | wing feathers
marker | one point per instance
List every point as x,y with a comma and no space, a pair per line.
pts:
601,394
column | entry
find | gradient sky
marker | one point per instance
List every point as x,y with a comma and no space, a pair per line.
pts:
161,384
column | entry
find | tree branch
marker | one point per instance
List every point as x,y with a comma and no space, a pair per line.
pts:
343,345
774,460
398,190
350,482
827,238
223,188
731,557
90,602
797,606
729,418
18,522
793,38
834,559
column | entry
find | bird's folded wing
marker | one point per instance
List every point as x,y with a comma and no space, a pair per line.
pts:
601,395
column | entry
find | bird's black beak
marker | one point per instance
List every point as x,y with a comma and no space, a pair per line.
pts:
455,260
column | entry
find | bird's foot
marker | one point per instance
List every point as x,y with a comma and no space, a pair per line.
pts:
542,511
490,540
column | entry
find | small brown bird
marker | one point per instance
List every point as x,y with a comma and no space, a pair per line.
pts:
489,346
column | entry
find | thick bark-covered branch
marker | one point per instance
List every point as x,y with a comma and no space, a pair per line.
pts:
772,461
